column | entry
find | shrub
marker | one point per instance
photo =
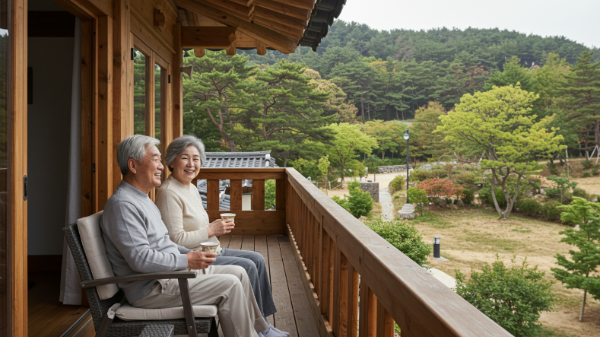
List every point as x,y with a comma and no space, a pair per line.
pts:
552,192
438,172
512,297
468,196
359,201
563,185
581,193
550,210
567,199
397,184
529,207
396,196
341,201
499,197
416,195
586,174
440,188
552,168
595,171
270,194
404,237
420,175
465,179
587,164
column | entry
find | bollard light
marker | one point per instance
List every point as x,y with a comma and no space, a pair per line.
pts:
436,247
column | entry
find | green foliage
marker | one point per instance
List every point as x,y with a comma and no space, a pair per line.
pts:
420,175
586,174
387,134
307,168
323,166
499,124
341,201
563,185
405,237
417,196
529,207
587,164
468,196
270,194
359,201
578,271
595,171
427,119
397,184
552,168
551,210
373,161
514,74
512,297
347,143
581,193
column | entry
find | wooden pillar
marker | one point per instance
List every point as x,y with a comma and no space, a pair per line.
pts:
177,83
105,157
88,43
122,82
17,154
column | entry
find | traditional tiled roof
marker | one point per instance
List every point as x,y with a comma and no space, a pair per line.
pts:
232,160
239,159
322,16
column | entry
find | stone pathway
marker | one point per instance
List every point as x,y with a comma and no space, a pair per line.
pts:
387,208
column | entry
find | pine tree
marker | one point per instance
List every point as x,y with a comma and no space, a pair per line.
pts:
357,80
219,87
513,73
584,261
288,111
582,91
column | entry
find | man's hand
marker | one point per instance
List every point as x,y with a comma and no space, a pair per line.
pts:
220,227
200,260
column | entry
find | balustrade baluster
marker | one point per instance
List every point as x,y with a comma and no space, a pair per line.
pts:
212,195
235,194
258,195
326,278
352,320
280,194
385,322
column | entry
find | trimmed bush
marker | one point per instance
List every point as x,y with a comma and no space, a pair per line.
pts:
420,175
595,171
552,192
581,193
550,210
417,196
586,174
587,164
529,207
468,196
397,184
396,196
405,237
552,168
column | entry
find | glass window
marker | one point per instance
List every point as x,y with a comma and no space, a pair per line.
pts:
139,93
158,75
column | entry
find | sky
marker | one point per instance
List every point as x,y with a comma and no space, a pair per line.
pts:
578,20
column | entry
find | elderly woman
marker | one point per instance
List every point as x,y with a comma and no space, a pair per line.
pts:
187,222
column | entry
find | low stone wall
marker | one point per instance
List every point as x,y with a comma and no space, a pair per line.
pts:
372,188
390,169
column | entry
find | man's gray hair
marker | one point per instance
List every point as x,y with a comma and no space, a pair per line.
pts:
134,147
178,145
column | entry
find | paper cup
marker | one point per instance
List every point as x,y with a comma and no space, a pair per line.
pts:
209,247
228,216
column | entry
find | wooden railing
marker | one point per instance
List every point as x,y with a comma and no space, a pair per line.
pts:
357,283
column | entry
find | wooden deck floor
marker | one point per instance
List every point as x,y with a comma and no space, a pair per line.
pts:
293,310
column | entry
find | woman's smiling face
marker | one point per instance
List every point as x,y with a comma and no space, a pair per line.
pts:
186,165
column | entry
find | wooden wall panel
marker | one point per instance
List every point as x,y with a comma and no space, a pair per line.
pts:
105,161
143,12
88,195
177,84
123,81
17,151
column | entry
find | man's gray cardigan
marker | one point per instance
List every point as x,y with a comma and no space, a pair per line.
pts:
137,240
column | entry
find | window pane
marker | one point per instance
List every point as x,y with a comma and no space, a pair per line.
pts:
139,93
4,198
157,99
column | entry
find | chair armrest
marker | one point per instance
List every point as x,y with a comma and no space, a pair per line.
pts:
139,277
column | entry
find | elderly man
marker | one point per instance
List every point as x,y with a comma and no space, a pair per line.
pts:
137,241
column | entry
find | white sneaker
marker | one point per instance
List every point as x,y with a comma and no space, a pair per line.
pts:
272,333
277,330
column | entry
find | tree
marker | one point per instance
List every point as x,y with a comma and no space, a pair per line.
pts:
323,166
337,104
405,237
423,138
513,74
357,80
218,87
358,203
563,185
388,135
347,143
582,89
499,124
288,111
512,297
584,261
437,188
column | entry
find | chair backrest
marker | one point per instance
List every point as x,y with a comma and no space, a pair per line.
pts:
98,307
95,251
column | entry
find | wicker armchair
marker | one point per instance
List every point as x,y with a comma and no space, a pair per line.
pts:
115,327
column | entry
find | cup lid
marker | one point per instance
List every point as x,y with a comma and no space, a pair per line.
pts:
227,214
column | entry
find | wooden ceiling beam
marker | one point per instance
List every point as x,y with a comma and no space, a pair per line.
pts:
288,31
207,37
280,18
261,48
191,18
241,11
295,12
183,17
273,39
304,4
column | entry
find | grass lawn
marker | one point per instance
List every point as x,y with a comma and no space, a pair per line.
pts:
472,236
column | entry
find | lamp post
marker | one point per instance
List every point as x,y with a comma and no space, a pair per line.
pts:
406,136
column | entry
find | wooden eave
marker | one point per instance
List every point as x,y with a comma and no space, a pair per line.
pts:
281,25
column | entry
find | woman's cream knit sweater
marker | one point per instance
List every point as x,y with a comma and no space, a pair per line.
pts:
181,210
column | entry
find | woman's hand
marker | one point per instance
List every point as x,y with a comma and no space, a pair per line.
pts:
220,227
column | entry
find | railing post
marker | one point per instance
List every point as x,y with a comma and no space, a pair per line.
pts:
235,194
212,195
352,295
258,195
385,323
